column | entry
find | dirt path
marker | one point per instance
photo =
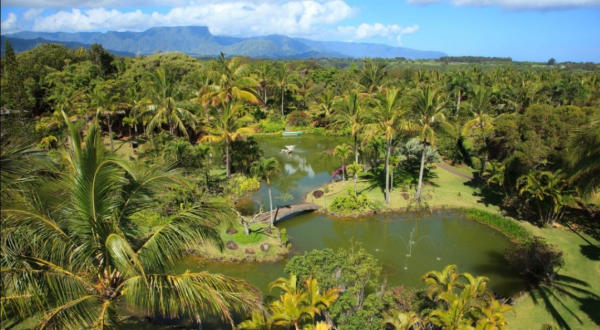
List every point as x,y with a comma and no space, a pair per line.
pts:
454,171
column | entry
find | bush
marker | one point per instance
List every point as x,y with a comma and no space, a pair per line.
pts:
239,185
351,202
536,258
241,237
267,126
299,118
507,226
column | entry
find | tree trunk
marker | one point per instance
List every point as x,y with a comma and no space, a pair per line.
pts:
418,194
227,171
109,122
355,158
282,95
457,104
271,205
343,174
130,139
484,147
392,179
355,179
387,171
246,228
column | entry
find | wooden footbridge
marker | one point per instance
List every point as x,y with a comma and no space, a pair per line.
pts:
287,210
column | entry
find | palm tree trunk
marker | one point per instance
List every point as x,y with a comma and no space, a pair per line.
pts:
227,171
392,179
484,147
343,174
271,206
355,179
418,194
112,145
387,171
355,158
457,104
282,95
130,138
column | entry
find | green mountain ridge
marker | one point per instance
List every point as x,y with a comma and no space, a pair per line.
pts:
197,40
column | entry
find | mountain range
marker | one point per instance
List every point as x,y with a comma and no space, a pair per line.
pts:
198,41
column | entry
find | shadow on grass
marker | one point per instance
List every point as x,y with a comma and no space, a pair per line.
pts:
591,306
512,282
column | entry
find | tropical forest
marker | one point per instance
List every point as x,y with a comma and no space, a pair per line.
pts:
167,191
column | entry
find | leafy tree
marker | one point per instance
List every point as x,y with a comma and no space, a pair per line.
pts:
551,61
537,259
103,103
584,156
74,261
343,151
264,169
480,106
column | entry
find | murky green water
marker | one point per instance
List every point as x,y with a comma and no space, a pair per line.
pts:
439,240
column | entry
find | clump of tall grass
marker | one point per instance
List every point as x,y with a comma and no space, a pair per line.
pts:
507,226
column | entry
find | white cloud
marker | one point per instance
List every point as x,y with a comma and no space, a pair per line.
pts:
10,24
32,13
242,18
61,4
517,4
377,30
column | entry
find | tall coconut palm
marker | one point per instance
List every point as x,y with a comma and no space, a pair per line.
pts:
480,107
227,124
429,109
284,77
459,83
584,156
75,262
104,104
232,82
373,76
390,120
439,282
264,169
343,151
354,169
351,113
325,103
264,72
167,104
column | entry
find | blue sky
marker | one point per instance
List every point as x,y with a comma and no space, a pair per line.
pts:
533,30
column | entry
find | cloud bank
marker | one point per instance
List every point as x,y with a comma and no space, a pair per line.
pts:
517,4
310,18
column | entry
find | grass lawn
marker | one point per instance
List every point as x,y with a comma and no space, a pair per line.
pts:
447,189
211,251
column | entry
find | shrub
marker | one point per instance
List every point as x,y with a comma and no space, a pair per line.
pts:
267,126
239,185
299,118
241,237
536,258
284,237
507,226
351,202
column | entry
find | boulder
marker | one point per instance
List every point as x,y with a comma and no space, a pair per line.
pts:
231,231
265,247
318,194
250,251
268,230
231,245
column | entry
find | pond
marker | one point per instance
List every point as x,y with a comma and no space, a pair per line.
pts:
406,246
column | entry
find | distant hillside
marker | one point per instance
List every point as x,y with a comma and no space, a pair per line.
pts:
198,41
21,45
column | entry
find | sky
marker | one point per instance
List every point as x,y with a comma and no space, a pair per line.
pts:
525,30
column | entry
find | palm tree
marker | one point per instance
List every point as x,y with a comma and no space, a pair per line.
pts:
390,120
459,82
343,151
74,261
354,169
130,122
264,169
457,315
105,105
284,77
166,103
232,82
264,72
439,282
226,125
584,156
325,103
429,108
491,316
258,321
350,112
547,191
373,76
480,106
402,321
